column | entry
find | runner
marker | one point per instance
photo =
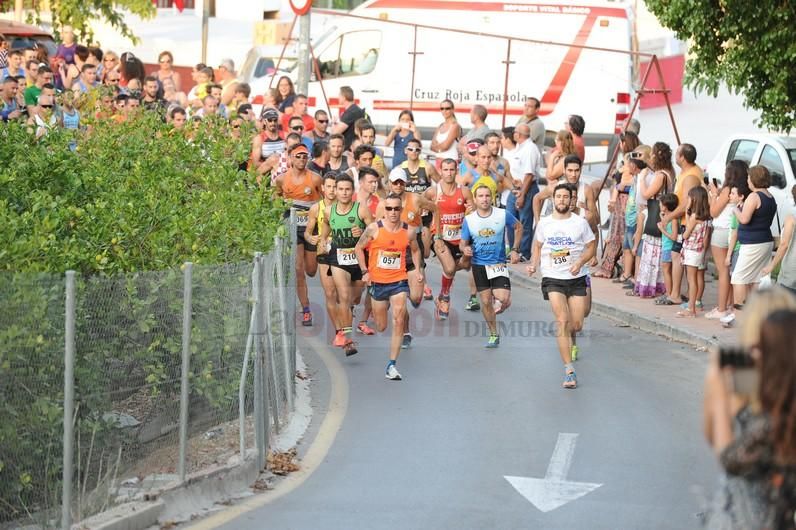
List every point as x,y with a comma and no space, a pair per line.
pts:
420,176
368,186
563,244
484,241
480,175
304,188
315,219
453,203
412,206
389,241
345,220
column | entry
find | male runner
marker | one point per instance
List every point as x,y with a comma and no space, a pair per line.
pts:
345,220
587,201
304,188
563,244
315,219
480,175
484,241
453,203
388,241
368,186
412,206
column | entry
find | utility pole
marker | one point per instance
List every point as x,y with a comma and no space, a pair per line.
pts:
205,22
303,80
18,10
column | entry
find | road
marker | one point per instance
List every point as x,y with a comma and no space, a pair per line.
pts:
433,450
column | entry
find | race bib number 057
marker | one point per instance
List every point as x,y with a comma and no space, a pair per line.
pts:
389,260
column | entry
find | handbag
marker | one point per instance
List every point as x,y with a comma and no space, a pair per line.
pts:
654,212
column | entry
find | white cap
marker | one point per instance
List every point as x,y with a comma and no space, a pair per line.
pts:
397,174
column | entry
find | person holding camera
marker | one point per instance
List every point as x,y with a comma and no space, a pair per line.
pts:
750,418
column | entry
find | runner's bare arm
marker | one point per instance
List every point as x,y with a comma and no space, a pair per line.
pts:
517,236
324,231
380,211
317,183
256,155
432,172
536,257
364,239
424,204
469,201
312,220
278,186
538,200
591,206
417,256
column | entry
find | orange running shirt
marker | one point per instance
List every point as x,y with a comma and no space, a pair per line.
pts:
411,214
387,255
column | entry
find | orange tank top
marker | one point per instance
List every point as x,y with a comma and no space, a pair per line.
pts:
411,214
303,193
387,255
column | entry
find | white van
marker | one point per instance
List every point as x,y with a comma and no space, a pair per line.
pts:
372,51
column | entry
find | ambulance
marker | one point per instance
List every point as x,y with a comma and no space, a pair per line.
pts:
402,54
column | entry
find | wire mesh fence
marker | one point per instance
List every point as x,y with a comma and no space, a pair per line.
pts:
173,372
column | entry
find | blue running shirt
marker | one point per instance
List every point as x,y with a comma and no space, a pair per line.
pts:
487,235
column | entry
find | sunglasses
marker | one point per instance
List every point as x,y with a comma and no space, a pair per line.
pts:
271,119
46,106
322,121
301,156
109,80
110,59
236,126
165,61
413,149
297,128
393,208
399,183
446,108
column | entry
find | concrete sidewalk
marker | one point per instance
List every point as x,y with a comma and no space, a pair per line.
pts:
609,300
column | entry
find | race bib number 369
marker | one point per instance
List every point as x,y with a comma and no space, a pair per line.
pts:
302,217
389,260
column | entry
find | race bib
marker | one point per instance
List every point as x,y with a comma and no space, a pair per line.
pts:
302,218
493,271
451,232
389,260
560,258
346,256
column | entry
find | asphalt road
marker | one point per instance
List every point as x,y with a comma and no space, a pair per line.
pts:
433,450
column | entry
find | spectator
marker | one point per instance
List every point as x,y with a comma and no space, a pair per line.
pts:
178,117
444,142
695,244
285,94
786,255
564,146
246,112
530,117
66,50
577,125
649,277
400,135
320,132
87,79
351,113
529,170
299,111
110,63
479,131
755,215
132,73
721,209
44,77
751,431
14,66
669,232
4,45
242,93
10,107
228,79
70,72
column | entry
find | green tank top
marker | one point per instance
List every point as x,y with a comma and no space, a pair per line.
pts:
341,225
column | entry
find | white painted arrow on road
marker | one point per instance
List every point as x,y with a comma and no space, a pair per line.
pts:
554,490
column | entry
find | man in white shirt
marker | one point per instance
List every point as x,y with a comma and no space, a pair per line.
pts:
527,161
563,245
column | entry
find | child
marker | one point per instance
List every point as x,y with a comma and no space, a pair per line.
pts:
732,255
669,203
695,244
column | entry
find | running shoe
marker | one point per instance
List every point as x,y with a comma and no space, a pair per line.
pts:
392,373
428,294
574,352
407,341
472,304
570,381
306,319
493,342
364,329
698,304
715,314
339,339
349,348
443,307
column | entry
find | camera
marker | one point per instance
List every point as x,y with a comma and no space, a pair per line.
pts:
745,378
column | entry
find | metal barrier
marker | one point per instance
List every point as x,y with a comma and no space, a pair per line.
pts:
114,387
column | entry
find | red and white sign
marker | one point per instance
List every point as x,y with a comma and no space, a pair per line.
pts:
300,7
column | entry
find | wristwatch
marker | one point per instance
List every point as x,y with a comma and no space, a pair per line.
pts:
363,271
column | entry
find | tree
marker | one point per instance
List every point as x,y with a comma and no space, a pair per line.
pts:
749,46
80,13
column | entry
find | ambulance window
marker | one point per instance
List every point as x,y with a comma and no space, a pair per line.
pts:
354,53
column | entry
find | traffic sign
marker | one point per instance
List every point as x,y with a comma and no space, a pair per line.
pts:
300,7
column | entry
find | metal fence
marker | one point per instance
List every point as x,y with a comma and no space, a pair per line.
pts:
111,387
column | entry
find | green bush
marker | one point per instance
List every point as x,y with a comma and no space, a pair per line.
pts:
132,197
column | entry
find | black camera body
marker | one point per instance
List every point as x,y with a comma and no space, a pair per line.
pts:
745,377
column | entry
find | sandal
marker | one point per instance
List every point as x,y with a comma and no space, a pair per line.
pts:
685,314
664,301
599,274
621,279
631,293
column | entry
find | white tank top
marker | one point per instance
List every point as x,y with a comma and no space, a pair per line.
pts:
724,218
452,151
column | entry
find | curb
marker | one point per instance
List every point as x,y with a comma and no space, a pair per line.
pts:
634,320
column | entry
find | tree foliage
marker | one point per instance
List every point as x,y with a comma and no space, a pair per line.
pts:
749,46
80,13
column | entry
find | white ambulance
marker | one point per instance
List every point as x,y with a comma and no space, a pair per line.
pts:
402,54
